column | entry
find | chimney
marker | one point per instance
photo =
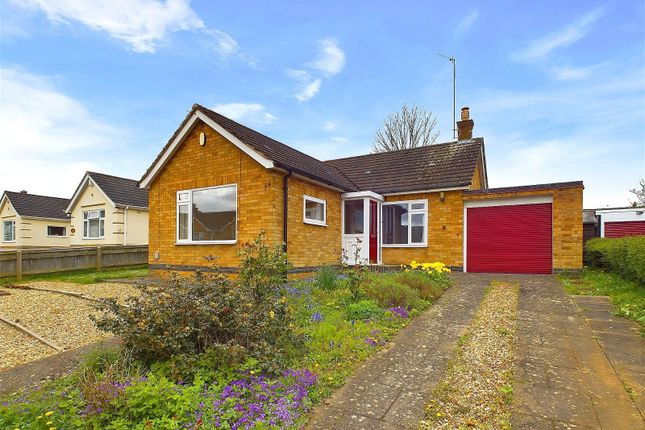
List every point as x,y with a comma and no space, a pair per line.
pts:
465,126
23,192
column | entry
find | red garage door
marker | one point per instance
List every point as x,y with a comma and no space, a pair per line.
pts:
509,239
624,228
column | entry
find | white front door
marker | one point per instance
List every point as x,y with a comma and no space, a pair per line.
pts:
355,231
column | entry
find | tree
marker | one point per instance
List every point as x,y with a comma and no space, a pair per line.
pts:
639,193
409,128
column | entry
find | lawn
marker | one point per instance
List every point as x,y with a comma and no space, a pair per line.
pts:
87,276
250,353
628,296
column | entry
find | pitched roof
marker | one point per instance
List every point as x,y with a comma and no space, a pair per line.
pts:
33,205
282,155
122,191
443,165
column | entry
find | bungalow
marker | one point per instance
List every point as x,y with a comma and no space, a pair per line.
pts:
108,210
619,222
33,221
217,183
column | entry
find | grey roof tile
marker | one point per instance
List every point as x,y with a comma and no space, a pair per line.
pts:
33,205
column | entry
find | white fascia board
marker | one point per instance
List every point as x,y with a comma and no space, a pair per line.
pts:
361,194
47,219
434,190
84,183
622,210
512,201
265,162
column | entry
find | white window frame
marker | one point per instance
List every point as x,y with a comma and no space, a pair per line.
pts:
87,230
306,220
189,203
58,235
410,212
13,231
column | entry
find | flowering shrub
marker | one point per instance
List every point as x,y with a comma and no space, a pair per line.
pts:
429,267
189,316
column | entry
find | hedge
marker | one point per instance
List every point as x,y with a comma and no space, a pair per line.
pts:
624,256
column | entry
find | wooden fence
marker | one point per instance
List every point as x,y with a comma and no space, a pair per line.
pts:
16,263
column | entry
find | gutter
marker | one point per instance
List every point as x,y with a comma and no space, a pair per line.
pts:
285,208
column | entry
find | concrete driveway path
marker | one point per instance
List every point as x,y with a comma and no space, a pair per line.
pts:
575,363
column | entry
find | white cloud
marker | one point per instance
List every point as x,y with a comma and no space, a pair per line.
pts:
143,25
541,48
47,138
330,59
467,22
308,86
330,126
250,112
568,73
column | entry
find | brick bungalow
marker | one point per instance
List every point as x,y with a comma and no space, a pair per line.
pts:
217,183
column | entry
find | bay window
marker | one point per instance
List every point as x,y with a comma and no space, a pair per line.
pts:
94,224
207,215
315,211
405,223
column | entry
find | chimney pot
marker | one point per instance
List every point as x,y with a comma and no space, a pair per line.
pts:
23,192
465,126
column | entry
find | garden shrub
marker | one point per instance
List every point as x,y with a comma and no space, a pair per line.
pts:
624,256
430,287
326,278
191,315
387,291
364,310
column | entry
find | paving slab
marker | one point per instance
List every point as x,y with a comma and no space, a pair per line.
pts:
390,389
575,380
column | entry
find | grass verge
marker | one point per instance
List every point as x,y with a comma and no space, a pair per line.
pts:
628,296
478,387
87,276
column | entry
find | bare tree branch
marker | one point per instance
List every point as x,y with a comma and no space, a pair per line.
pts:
409,128
639,193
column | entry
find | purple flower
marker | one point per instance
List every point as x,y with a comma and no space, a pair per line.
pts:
399,311
316,317
370,341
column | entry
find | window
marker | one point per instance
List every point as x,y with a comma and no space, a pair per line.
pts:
94,224
354,216
207,215
8,231
405,223
315,211
53,230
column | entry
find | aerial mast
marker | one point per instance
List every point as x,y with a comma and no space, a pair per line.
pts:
453,60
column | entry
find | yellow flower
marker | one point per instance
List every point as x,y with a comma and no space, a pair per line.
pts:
49,423
39,417
252,372
438,414
271,314
49,414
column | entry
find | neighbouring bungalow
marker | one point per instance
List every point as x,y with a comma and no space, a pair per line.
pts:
33,221
108,210
619,222
217,184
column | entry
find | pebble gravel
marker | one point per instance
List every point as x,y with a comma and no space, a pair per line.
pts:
476,391
59,318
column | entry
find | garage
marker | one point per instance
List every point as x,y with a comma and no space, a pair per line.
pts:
620,222
509,236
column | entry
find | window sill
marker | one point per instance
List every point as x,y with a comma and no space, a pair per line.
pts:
56,237
8,241
318,223
414,245
94,238
208,242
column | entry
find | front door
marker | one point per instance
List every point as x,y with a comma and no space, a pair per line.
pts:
373,232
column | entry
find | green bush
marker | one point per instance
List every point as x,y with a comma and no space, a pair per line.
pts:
624,256
387,291
429,286
364,310
326,278
192,315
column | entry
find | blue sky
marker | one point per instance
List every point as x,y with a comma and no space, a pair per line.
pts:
557,89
